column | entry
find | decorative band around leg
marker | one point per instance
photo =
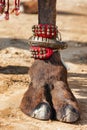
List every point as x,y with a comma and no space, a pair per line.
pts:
41,52
45,31
45,41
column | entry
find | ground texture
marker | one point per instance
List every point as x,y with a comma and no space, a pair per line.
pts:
15,62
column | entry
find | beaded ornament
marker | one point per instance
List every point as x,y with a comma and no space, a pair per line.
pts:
41,48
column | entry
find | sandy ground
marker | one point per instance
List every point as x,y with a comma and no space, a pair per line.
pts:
15,62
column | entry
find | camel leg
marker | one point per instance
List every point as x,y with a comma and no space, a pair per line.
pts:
49,96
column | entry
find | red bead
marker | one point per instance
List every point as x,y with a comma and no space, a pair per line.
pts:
42,53
45,31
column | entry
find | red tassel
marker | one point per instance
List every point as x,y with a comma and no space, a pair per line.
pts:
7,11
16,9
4,9
2,6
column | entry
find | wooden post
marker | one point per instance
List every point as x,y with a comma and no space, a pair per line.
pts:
49,96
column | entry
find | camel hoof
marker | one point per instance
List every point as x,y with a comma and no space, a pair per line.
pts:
68,114
42,111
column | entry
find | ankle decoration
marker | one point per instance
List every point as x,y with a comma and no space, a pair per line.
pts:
41,52
45,31
45,41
